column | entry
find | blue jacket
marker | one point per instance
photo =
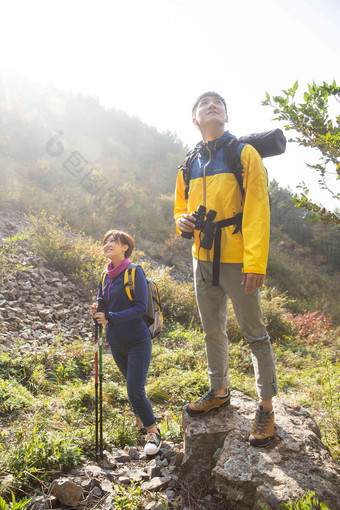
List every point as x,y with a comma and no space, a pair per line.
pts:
126,324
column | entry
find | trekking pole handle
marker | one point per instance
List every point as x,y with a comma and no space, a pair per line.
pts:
102,307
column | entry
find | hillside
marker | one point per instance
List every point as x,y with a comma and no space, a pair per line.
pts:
98,168
46,373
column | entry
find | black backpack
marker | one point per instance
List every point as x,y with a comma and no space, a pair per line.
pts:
269,143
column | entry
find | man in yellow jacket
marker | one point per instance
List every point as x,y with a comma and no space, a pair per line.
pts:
242,254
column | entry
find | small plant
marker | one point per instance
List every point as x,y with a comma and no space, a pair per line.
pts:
170,426
122,432
129,497
13,505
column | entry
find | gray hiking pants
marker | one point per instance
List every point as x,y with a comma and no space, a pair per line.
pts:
212,305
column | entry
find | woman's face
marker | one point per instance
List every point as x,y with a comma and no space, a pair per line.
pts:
113,249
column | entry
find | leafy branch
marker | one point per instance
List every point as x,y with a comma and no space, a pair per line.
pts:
314,127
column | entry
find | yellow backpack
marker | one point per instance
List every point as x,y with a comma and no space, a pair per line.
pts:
154,314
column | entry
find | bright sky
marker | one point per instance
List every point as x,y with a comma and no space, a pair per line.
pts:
151,58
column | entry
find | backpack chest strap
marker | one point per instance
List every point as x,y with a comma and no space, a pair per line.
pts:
235,220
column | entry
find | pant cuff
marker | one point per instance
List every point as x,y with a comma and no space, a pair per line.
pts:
268,392
219,384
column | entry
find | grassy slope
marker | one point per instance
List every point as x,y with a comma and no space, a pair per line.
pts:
47,400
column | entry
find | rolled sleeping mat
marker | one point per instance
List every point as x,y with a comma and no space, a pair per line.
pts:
268,143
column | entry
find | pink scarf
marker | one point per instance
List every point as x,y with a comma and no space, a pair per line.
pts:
114,271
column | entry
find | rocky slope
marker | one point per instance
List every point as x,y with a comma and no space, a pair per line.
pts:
38,306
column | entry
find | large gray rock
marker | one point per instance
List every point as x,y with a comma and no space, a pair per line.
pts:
217,451
67,492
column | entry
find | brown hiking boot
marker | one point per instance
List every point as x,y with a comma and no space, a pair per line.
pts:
262,430
209,401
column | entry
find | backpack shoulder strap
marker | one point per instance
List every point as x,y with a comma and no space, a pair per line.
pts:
102,279
129,280
232,155
185,167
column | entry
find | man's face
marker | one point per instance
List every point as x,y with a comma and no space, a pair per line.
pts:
210,111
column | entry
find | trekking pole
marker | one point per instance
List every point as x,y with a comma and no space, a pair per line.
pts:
96,380
100,352
101,308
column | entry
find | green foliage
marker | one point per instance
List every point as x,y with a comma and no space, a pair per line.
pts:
74,254
171,426
7,255
274,307
81,396
307,286
292,233
49,367
314,127
308,502
128,497
38,453
122,429
178,300
13,504
13,396
177,387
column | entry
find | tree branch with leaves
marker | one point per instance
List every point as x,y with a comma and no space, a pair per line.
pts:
314,128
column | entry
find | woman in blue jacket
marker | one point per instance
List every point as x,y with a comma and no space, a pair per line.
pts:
126,331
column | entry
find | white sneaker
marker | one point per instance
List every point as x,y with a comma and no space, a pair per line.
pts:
153,443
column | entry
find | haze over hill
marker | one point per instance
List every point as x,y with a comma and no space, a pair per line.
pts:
99,168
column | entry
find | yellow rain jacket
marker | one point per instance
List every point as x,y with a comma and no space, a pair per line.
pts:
213,184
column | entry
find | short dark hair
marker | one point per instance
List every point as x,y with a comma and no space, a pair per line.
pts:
208,94
122,238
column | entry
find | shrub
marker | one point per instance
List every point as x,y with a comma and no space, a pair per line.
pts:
37,453
177,387
312,325
8,251
178,300
81,397
276,317
129,497
74,254
13,396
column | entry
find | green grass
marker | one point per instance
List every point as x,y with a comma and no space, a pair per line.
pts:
47,399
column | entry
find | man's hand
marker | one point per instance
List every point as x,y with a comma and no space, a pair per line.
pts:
252,281
186,223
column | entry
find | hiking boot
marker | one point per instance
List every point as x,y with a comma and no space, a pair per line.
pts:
209,401
262,430
153,443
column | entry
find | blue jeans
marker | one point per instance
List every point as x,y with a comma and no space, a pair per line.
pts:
133,360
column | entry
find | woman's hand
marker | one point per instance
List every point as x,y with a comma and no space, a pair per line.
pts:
100,317
93,309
